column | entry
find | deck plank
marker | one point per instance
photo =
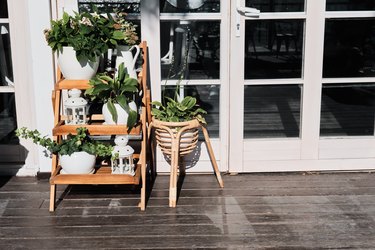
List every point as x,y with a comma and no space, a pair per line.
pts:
253,211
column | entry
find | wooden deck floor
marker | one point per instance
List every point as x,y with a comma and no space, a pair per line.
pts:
253,211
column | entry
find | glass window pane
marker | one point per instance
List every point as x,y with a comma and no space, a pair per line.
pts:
110,6
189,6
202,38
277,5
208,98
272,111
273,49
345,5
347,109
349,48
6,69
3,9
8,121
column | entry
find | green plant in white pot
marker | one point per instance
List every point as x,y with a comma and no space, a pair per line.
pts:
77,152
118,94
85,37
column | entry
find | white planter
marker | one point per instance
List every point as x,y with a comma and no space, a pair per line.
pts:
125,55
72,69
122,115
78,163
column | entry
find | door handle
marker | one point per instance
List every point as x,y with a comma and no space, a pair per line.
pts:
244,11
248,11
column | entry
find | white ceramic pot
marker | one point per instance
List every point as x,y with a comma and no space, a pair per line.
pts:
125,55
72,69
122,115
78,163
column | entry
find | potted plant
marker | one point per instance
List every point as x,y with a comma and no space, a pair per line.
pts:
118,94
77,152
126,40
83,36
170,117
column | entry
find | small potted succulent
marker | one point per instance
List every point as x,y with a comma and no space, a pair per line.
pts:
77,153
118,94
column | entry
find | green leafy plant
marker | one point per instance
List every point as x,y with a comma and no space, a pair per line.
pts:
74,143
90,35
175,111
120,89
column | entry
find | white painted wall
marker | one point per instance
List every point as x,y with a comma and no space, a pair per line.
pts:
33,75
42,73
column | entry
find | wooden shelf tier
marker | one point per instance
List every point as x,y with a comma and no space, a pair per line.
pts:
102,175
72,84
96,129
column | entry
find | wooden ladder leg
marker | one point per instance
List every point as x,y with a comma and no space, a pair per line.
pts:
212,157
52,197
173,180
174,168
143,161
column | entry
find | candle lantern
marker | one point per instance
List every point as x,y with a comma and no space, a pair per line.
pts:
75,108
123,162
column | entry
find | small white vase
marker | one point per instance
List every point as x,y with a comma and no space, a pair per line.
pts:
122,115
78,163
125,55
72,69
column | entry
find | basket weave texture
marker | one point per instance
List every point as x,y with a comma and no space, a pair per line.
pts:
176,136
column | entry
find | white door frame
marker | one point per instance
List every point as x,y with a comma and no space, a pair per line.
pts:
309,151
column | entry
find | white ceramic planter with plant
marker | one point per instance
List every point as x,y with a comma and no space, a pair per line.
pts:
81,39
77,153
119,95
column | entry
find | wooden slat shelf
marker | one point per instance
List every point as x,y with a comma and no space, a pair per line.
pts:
102,175
71,84
96,129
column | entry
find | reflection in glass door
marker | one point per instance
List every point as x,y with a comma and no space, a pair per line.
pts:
9,144
191,46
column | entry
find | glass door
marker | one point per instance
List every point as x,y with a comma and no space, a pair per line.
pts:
10,150
302,86
267,84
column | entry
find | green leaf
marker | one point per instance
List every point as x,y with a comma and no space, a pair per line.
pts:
118,35
189,102
121,99
156,103
112,109
121,72
132,119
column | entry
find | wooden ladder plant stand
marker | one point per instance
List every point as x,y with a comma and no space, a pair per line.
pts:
103,173
179,146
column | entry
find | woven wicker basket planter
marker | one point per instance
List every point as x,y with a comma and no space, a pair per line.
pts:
179,136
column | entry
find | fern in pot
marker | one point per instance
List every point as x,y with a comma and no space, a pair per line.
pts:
77,153
118,94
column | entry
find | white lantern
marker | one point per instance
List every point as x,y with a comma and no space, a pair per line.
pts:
124,162
75,108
